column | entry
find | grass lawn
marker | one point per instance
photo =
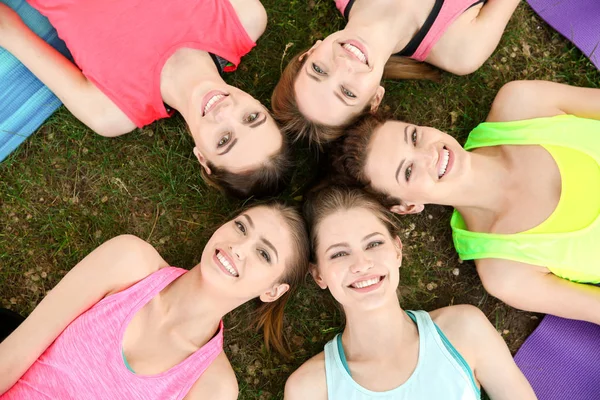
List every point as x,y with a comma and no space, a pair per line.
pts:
66,190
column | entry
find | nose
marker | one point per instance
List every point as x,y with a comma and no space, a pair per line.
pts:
237,251
429,156
224,111
344,63
362,263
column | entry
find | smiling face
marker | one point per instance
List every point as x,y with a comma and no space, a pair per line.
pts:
232,130
246,257
337,80
419,165
357,259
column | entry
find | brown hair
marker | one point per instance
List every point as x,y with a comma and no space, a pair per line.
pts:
267,180
285,105
349,157
270,315
322,203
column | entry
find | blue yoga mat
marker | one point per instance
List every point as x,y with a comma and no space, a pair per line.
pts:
25,103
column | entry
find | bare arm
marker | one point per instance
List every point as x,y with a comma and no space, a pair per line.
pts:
484,349
308,381
113,266
62,77
519,100
473,37
218,382
531,288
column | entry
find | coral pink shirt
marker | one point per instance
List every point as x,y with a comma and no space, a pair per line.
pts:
122,45
85,362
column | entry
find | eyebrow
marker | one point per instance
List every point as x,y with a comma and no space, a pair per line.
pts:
259,123
369,236
339,96
316,78
265,241
345,244
229,147
402,162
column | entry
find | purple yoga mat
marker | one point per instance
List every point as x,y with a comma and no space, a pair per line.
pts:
577,20
561,359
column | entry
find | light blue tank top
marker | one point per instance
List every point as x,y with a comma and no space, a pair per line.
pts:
441,372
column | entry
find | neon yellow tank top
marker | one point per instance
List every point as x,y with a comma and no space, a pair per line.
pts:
567,242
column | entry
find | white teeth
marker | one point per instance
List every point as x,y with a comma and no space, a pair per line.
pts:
354,50
226,264
212,101
444,164
364,284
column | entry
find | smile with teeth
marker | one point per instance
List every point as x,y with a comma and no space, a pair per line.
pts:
444,164
356,52
213,100
366,283
226,264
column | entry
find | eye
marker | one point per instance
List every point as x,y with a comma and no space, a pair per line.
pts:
264,255
408,172
338,255
374,244
251,117
224,140
240,227
348,93
414,136
318,69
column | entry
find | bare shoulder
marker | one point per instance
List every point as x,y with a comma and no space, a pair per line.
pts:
460,321
128,257
218,382
252,15
519,100
308,381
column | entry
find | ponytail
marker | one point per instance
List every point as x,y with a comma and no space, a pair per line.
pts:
270,320
398,67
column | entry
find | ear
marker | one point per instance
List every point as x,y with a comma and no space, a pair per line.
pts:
314,271
276,292
202,160
376,100
398,246
310,51
407,208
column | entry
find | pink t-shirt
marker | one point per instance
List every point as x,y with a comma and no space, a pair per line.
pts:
122,45
86,362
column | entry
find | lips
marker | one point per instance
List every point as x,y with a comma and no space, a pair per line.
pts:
357,50
445,161
211,99
366,284
225,263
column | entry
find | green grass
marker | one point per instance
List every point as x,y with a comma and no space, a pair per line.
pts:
67,190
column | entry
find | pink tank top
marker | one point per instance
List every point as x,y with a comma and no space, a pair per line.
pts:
85,361
444,13
122,45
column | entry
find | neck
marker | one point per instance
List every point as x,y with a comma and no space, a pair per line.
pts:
387,25
192,310
185,71
377,334
484,193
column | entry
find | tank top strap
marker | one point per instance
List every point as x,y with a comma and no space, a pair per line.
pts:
143,290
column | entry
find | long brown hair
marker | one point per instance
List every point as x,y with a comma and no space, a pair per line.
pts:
295,124
322,203
349,156
270,315
267,180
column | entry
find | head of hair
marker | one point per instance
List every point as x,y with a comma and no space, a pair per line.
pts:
266,180
295,124
322,203
349,156
270,315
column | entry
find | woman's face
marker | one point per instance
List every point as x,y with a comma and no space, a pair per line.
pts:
232,130
417,164
337,80
357,259
246,257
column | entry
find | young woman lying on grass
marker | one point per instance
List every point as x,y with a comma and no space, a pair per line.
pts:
137,61
324,89
526,189
385,352
123,324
